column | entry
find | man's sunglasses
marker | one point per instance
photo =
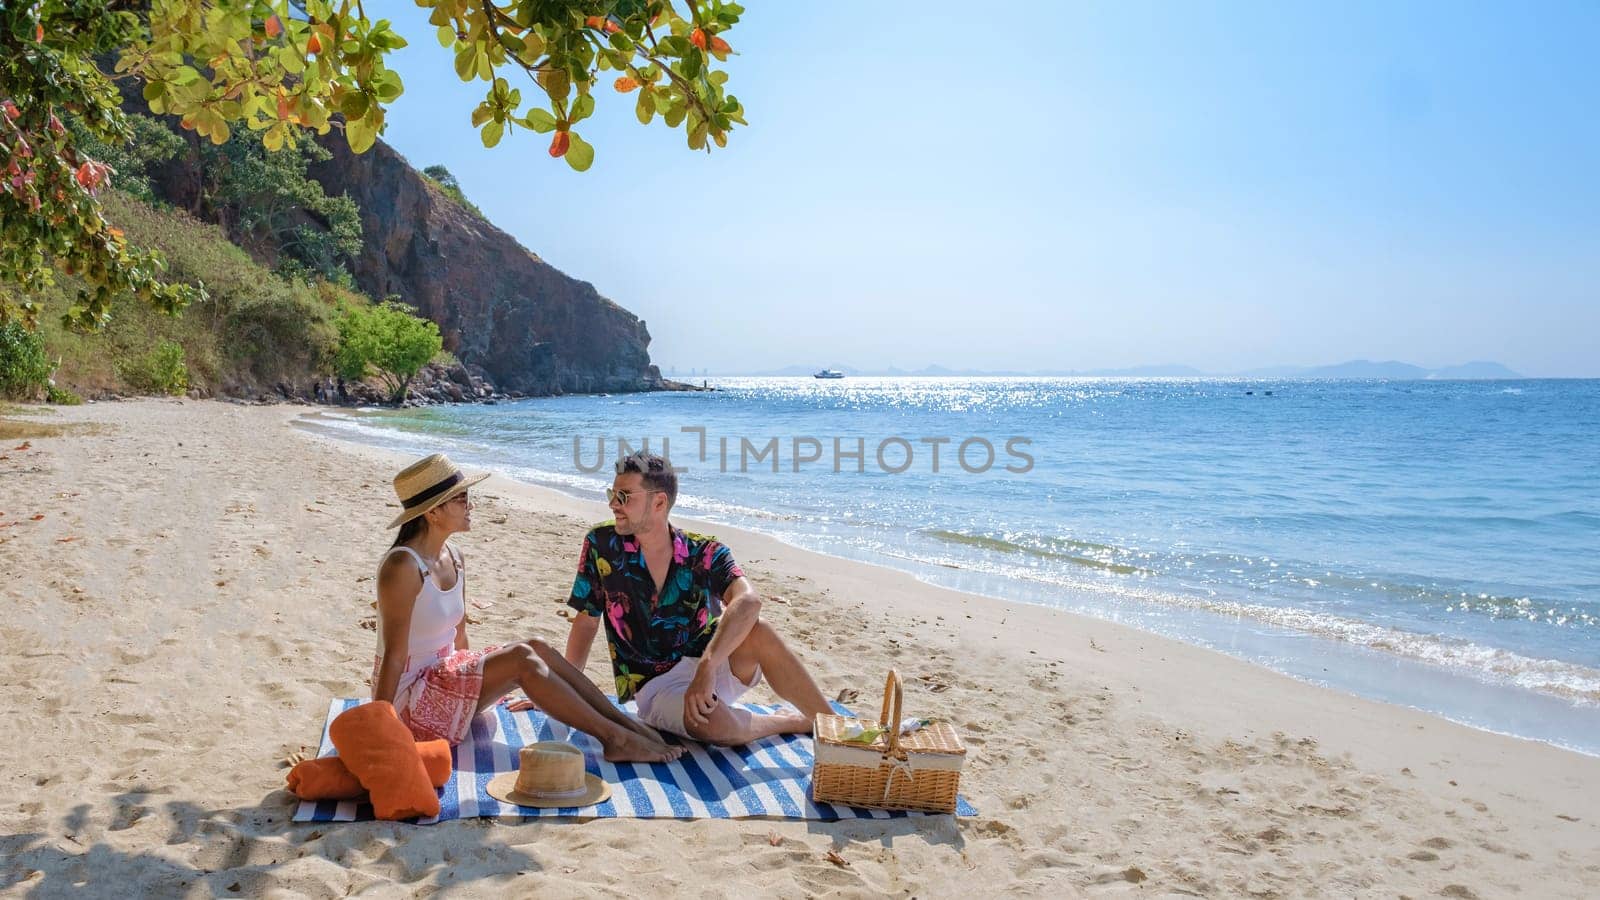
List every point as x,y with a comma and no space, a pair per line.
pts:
621,498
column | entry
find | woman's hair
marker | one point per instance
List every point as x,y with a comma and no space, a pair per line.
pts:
410,530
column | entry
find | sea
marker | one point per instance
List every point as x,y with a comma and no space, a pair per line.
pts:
1434,544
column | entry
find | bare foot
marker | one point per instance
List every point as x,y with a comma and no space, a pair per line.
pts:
629,746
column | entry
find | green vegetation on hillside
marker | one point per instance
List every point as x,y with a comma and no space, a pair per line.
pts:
223,67
446,182
388,340
254,330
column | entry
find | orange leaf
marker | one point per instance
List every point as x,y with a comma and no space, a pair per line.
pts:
38,34
698,38
37,517
718,45
23,446
625,84
67,540
314,45
273,27
559,144
837,860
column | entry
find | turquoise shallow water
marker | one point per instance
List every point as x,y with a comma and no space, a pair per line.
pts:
1435,544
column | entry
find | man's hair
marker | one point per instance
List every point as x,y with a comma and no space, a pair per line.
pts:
654,470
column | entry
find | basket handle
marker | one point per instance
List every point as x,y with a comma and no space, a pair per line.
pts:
891,723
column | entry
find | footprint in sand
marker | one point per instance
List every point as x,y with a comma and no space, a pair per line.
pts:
1423,856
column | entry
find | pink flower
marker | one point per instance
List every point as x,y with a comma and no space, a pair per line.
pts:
680,549
614,614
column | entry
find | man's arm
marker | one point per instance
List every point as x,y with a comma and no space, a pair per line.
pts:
580,639
741,609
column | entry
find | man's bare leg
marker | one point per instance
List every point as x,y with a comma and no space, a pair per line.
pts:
783,670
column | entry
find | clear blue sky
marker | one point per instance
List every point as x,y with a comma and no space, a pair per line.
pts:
1074,186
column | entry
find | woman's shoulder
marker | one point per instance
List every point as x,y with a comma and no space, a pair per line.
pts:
400,563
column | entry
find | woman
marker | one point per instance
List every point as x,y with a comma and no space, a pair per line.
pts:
424,666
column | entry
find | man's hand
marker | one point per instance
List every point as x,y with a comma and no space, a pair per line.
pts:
699,700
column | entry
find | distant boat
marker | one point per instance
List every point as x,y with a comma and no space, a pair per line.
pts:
828,373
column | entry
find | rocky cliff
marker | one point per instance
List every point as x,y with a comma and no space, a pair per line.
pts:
503,312
530,327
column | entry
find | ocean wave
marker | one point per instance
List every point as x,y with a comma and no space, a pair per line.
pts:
1079,553
1569,681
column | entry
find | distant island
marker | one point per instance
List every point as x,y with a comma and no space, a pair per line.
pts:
1356,368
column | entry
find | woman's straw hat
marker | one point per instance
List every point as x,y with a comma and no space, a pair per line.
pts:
427,483
550,774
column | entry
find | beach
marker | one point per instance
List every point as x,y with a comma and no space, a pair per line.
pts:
191,582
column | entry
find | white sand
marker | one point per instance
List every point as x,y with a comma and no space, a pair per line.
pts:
159,666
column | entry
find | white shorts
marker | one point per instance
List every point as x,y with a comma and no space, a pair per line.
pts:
661,699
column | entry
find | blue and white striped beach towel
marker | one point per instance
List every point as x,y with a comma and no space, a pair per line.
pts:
771,777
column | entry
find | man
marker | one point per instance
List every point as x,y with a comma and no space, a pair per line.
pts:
682,622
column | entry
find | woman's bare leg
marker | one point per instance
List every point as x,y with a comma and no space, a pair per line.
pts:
519,665
585,688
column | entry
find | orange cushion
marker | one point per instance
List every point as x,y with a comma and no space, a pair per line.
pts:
380,751
328,778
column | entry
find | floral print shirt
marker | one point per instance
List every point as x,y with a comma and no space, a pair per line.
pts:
648,634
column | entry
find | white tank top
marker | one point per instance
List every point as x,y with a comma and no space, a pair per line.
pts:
435,616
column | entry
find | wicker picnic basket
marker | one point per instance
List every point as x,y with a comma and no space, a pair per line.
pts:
920,771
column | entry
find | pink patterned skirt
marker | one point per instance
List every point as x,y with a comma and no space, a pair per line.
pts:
441,702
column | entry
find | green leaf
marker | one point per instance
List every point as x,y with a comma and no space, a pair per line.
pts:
184,75
482,114
558,84
645,109
466,61
674,114
354,105
388,85
153,90
540,120
360,135
447,35
582,108
492,133
579,154
291,60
